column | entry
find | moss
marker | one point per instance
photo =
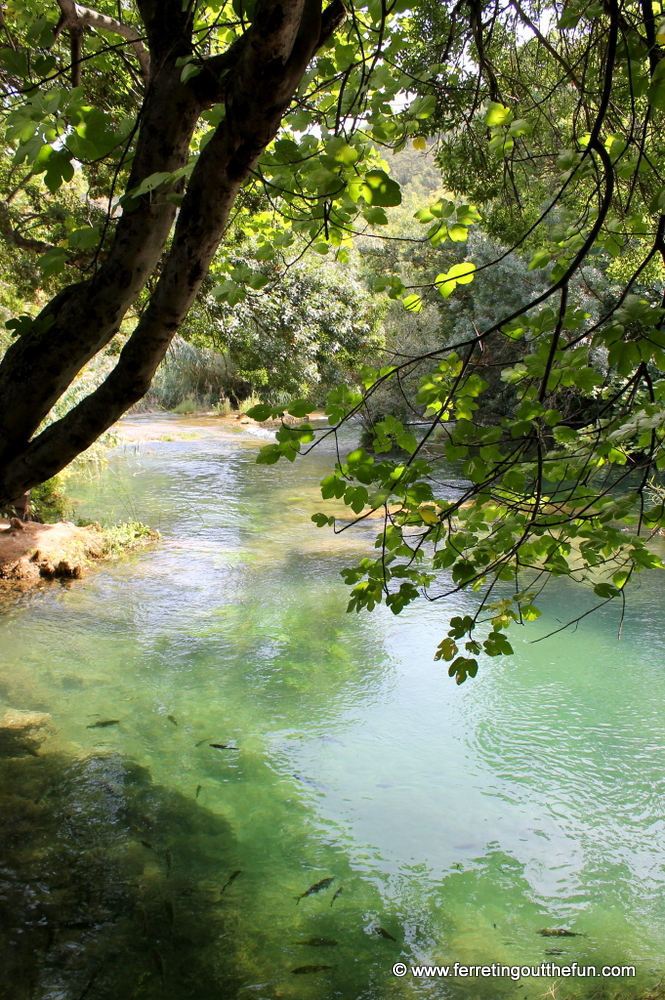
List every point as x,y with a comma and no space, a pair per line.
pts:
124,537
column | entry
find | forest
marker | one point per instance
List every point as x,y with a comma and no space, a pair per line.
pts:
332,425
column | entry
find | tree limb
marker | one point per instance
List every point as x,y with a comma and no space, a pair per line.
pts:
544,42
279,45
77,16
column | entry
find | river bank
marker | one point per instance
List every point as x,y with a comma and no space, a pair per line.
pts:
31,552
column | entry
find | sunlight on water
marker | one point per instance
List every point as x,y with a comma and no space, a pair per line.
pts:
460,821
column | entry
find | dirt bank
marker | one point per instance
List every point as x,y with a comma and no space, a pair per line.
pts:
30,552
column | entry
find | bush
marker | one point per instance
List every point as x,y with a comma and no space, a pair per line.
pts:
186,406
49,502
189,378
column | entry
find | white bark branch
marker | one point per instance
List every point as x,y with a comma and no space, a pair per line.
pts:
76,15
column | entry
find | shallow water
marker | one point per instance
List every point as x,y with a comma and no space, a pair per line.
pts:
459,820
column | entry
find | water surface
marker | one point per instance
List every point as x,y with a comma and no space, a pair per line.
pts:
459,820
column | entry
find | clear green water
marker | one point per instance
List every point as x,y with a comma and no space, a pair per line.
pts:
460,820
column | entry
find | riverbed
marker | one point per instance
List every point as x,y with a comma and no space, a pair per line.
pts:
224,736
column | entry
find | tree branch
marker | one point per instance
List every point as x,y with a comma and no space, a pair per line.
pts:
278,48
544,42
77,16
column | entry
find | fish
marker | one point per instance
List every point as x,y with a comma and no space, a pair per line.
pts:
168,857
384,934
304,969
558,932
171,719
170,912
232,877
201,742
555,951
146,843
198,789
103,724
158,962
338,893
317,887
317,942
309,781
222,746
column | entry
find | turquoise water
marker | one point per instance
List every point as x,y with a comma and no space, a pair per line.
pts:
461,821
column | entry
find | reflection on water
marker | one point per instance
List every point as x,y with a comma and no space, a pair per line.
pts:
460,821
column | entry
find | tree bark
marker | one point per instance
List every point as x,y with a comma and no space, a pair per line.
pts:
268,65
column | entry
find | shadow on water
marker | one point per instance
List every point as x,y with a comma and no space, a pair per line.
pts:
109,883
114,886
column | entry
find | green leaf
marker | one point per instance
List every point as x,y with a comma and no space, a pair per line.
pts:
260,412
496,644
446,650
44,65
413,303
606,590
189,71
322,521
376,188
85,238
21,325
422,107
458,274
529,612
150,183
541,258
656,91
56,165
301,408
463,667
569,19
269,455
375,216
52,262
498,114
16,63
229,291
457,233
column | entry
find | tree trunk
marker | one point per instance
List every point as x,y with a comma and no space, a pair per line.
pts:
267,65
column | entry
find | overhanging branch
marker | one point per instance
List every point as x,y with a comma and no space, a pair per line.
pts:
76,16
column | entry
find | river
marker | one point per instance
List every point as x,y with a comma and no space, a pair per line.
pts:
138,860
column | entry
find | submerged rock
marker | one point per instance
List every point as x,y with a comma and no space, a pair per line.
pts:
21,733
15,719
